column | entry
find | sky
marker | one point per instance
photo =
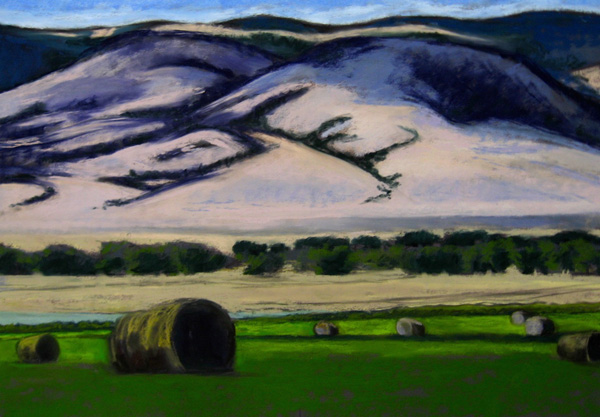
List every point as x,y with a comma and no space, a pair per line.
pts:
83,13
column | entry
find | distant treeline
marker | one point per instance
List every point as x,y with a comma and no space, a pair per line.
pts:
115,258
463,252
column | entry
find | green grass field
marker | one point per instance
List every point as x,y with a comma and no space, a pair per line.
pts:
468,365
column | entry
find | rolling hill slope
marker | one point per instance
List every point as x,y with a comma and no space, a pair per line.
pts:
129,94
445,129
179,129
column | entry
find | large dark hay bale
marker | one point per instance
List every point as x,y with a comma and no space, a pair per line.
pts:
187,335
410,327
539,326
324,328
581,347
519,317
38,349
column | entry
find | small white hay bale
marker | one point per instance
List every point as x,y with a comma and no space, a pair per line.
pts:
539,326
519,317
325,328
410,327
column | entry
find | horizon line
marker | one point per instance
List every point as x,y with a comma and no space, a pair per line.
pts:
215,22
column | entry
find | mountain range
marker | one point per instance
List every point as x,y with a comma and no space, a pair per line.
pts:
263,122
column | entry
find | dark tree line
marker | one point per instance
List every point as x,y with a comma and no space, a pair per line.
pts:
462,252
114,258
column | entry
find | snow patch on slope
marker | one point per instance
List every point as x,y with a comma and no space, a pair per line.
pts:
187,152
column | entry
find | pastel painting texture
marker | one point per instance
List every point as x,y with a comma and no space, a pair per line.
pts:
286,208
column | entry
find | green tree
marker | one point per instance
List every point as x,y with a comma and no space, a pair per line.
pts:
153,260
264,263
549,256
198,258
466,238
336,261
579,256
416,239
244,248
15,261
366,242
114,257
66,260
435,260
327,242
499,254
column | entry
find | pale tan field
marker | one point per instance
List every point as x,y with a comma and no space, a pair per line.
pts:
289,291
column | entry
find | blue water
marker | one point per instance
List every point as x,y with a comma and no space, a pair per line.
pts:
38,318
7,317
76,13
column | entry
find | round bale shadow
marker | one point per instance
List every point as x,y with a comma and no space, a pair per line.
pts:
188,335
38,349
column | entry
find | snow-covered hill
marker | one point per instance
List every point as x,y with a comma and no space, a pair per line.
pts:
447,130
125,101
181,130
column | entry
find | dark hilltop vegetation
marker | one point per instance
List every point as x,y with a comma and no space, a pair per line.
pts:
538,35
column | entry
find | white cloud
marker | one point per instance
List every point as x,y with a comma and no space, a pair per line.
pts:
109,17
343,14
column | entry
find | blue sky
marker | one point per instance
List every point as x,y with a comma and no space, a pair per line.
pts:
81,13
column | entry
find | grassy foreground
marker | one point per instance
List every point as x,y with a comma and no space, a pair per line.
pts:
468,365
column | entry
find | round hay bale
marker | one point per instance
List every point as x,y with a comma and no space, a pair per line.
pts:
187,335
519,317
581,347
325,328
38,349
410,327
539,326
